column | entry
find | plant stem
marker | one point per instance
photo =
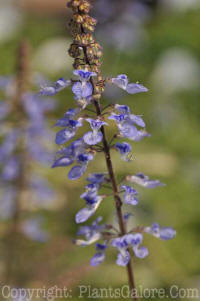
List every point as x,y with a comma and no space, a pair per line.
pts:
118,202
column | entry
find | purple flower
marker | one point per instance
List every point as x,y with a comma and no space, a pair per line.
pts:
122,244
85,213
32,229
11,169
129,195
9,144
123,255
100,256
141,252
123,258
164,233
127,122
90,194
123,109
97,259
64,135
69,132
94,137
122,82
4,110
78,170
96,178
91,233
69,115
83,89
62,161
75,152
59,85
84,75
144,181
124,149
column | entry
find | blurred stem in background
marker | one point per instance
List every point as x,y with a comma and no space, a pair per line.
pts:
14,247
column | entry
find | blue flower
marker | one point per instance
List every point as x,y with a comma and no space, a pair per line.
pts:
122,82
64,135
122,243
4,110
129,195
93,201
78,170
90,194
83,89
75,152
32,229
96,178
11,169
100,256
84,75
144,181
164,233
123,258
69,132
91,233
124,149
127,122
122,109
123,255
59,85
69,115
9,144
118,118
62,161
94,137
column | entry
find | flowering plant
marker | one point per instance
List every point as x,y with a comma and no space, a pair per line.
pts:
87,87
24,137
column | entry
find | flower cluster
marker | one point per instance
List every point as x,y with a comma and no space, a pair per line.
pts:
25,139
87,90
133,240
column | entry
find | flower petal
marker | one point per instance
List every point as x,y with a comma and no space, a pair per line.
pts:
123,258
141,252
135,88
97,259
76,172
63,161
92,138
64,136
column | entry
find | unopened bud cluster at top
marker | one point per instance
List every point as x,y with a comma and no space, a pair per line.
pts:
84,49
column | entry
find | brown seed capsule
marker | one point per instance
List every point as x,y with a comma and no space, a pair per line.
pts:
76,3
84,6
97,96
78,18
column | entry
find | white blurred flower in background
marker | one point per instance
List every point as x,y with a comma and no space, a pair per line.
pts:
11,20
51,56
176,70
180,5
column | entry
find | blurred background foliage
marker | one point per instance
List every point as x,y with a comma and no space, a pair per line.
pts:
156,43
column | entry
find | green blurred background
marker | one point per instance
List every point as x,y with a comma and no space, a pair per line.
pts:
162,51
